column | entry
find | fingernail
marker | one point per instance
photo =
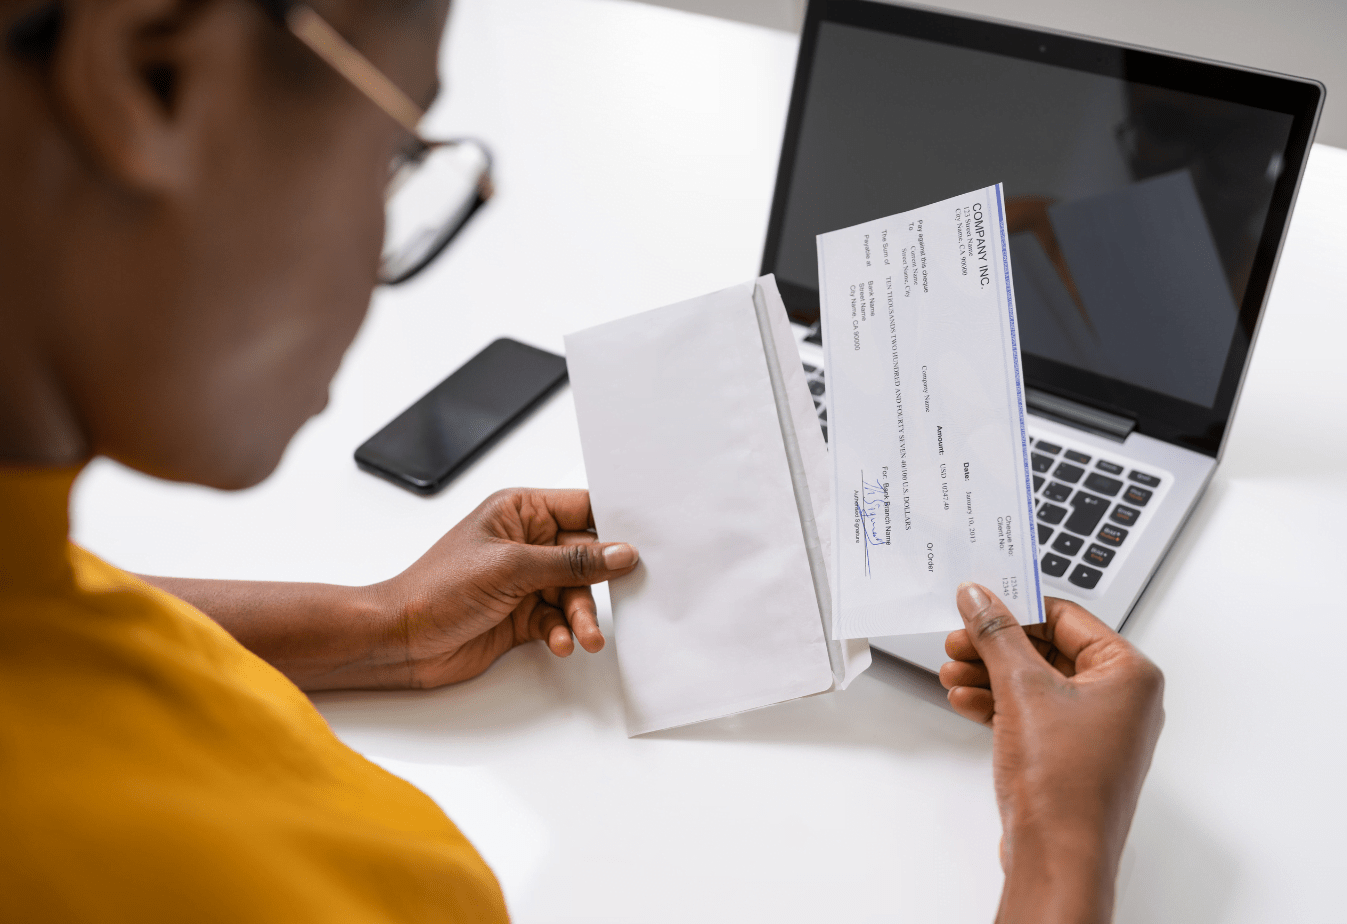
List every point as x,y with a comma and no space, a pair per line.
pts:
971,599
619,556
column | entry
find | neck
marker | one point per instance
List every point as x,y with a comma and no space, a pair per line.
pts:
39,423
39,426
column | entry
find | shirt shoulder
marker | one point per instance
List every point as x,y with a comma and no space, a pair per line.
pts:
156,769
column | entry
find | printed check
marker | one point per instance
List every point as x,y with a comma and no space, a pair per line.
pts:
926,419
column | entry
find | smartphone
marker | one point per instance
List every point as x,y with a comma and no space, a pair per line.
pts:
439,436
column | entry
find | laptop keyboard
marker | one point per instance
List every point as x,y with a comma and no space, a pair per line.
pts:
813,375
1090,507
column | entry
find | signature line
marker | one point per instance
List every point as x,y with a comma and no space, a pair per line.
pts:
868,511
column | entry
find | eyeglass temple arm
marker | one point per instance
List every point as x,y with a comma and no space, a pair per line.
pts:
327,43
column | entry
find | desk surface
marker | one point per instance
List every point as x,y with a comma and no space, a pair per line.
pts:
637,148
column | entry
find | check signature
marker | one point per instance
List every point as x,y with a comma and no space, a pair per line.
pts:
870,510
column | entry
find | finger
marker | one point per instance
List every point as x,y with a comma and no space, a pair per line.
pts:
549,624
569,507
1073,630
559,640
1000,642
964,674
535,567
578,605
960,647
1037,638
535,620
973,703
1041,637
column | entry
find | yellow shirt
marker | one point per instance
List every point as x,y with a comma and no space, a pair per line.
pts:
152,769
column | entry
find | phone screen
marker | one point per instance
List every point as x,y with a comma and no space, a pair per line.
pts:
425,446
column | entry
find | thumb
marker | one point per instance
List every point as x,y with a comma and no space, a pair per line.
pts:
998,638
538,567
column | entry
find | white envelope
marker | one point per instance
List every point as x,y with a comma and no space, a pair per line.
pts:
702,449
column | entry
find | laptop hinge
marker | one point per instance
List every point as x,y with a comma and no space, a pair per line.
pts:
1075,414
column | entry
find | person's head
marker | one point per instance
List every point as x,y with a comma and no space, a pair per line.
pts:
191,214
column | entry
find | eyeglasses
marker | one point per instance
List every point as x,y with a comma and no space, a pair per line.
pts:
434,186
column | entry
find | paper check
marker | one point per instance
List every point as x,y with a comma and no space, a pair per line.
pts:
926,418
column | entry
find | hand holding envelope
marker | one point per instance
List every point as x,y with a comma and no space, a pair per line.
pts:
763,562
702,450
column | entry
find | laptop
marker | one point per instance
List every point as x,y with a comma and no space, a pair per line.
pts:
1147,196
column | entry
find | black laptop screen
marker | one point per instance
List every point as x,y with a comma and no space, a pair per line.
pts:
1136,210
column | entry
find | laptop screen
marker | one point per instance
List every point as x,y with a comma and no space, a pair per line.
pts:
1138,208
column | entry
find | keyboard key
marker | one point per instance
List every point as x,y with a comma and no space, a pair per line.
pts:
1103,484
1038,483
1051,513
1085,577
1068,472
1112,535
1068,544
809,369
1087,510
1044,534
1099,556
1124,516
1149,481
1050,448
1054,565
817,387
1040,463
1108,467
1057,491
1136,495
823,414
1080,457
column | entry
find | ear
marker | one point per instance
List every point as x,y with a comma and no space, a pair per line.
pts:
117,69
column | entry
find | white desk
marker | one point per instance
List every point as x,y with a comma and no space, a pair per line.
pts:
637,148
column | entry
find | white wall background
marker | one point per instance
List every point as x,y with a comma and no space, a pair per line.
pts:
1307,38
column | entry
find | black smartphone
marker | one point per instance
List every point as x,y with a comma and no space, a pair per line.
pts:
428,444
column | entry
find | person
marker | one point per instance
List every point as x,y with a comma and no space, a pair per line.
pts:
194,197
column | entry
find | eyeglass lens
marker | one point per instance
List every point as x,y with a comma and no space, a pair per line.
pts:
431,196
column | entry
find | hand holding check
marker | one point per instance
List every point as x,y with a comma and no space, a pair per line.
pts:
1075,711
